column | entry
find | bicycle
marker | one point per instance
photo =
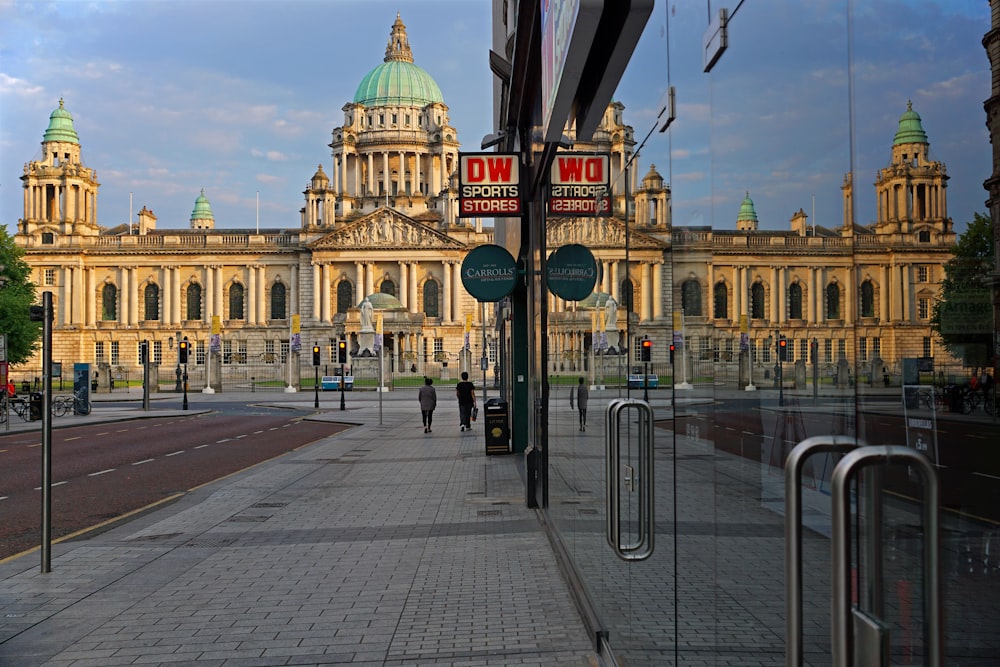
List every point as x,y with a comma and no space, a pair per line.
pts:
19,406
64,404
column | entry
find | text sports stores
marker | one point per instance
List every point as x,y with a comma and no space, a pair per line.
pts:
489,186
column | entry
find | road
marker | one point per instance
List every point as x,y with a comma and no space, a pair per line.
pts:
104,471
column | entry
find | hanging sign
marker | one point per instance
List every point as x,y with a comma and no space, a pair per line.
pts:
580,184
489,185
572,272
489,272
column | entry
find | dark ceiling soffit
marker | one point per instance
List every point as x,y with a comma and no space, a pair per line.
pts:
525,71
618,33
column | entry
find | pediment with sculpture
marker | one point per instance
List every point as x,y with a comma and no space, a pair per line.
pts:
597,233
385,229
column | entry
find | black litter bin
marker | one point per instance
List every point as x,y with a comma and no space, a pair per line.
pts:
954,397
34,406
497,426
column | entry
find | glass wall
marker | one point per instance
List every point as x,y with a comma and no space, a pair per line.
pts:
789,237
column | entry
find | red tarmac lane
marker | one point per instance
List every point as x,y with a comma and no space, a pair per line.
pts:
104,471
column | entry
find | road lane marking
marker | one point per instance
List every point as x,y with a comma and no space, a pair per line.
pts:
75,437
219,442
139,428
4,497
139,463
175,453
103,472
983,474
257,432
122,430
201,446
104,433
241,436
37,444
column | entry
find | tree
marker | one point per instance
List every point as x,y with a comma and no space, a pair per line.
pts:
963,313
16,296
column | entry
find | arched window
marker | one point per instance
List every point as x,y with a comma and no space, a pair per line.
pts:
278,301
795,301
193,302
345,296
691,298
109,303
431,299
236,302
151,300
628,296
720,298
867,299
833,301
757,301
388,287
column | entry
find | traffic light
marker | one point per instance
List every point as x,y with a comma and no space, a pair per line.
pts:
646,354
143,353
814,351
182,351
782,349
315,355
671,353
341,351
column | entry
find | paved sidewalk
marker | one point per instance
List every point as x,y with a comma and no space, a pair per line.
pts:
381,545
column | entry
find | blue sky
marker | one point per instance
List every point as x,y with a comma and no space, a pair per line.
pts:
238,98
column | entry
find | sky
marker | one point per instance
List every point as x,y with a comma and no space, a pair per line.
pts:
240,98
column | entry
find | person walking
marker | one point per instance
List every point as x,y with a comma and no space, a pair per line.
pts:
428,401
582,393
466,393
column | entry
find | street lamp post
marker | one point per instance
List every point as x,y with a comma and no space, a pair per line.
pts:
781,370
184,403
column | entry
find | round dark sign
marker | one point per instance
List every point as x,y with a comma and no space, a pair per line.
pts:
572,272
489,272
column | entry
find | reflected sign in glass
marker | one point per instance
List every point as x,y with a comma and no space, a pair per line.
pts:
572,272
489,272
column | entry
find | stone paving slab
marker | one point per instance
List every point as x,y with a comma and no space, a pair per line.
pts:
380,545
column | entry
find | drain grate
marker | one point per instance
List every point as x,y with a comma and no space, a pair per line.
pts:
248,519
489,512
211,543
154,538
262,505
587,511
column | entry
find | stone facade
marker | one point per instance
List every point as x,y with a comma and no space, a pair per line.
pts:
383,225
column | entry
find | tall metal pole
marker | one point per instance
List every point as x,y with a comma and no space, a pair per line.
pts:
46,547
343,381
184,402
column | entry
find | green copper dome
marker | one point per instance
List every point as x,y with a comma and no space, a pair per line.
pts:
398,80
747,211
202,209
61,127
910,130
382,301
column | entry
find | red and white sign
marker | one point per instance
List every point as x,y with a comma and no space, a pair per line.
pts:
579,185
489,185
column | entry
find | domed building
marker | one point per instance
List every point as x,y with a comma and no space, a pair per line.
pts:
379,222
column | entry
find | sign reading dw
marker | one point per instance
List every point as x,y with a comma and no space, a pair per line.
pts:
579,184
489,185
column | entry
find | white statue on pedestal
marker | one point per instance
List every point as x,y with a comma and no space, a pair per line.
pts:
366,316
611,323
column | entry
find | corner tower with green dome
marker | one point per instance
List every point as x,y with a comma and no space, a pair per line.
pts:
912,190
396,148
60,192
202,216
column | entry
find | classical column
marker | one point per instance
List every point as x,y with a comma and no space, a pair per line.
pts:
92,296
371,174
133,297
359,281
386,180
446,314
850,296
884,313
65,309
614,286
262,314
123,299
645,290
414,277
904,292
208,301
369,279
404,284
168,295
293,297
324,293
782,295
741,292
456,282
775,313
658,288
402,173
251,294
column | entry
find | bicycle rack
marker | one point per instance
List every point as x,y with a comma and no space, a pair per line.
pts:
866,642
630,477
831,444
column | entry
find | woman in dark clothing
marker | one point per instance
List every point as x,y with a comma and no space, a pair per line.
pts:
428,401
